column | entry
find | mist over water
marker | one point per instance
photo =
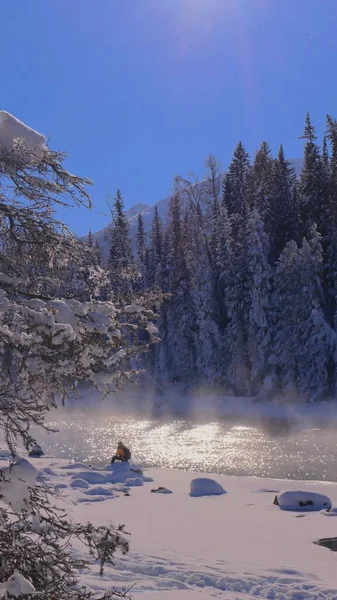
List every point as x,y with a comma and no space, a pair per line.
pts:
287,446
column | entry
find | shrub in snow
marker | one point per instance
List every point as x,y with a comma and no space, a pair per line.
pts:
99,491
79,483
132,482
203,486
302,501
92,477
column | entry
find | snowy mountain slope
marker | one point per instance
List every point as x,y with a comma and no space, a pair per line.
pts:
102,236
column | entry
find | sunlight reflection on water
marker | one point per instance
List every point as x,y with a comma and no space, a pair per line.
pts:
215,447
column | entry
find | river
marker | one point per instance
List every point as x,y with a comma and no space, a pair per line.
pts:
272,448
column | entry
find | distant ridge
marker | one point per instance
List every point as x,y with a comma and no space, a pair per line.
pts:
147,211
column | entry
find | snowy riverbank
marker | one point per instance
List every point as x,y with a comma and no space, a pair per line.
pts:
234,546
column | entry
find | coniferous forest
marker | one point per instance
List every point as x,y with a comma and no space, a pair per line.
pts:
247,263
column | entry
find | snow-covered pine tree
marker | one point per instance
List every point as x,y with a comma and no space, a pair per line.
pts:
156,250
329,222
311,182
120,263
223,244
47,344
142,254
206,336
176,354
256,244
263,168
95,249
120,245
141,240
304,345
237,181
248,297
285,210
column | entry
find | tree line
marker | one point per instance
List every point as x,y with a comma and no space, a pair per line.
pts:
247,264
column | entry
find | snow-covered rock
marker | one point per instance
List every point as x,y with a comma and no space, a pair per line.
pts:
134,481
161,490
92,477
298,500
36,451
79,483
99,491
17,585
18,138
203,486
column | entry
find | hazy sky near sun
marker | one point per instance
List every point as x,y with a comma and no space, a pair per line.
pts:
140,90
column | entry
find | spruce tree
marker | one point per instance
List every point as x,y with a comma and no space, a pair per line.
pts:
120,245
263,168
177,312
248,292
303,342
311,182
237,175
329,220
285,211
142,255
141,240
206,337
156,250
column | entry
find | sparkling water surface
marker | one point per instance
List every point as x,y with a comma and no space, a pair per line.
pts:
274,448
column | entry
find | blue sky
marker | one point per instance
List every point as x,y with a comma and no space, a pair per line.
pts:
137,91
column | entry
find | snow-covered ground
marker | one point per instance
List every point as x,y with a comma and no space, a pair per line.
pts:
237,545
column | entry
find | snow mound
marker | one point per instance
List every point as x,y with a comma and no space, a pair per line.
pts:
99,491
303,501
72,466
117,466
61,486
16,480
92,477
134,481
79,483
20,139
88,499
17,585
49,471
121,471
203,486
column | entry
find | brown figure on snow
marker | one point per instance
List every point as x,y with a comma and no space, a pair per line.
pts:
123,453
